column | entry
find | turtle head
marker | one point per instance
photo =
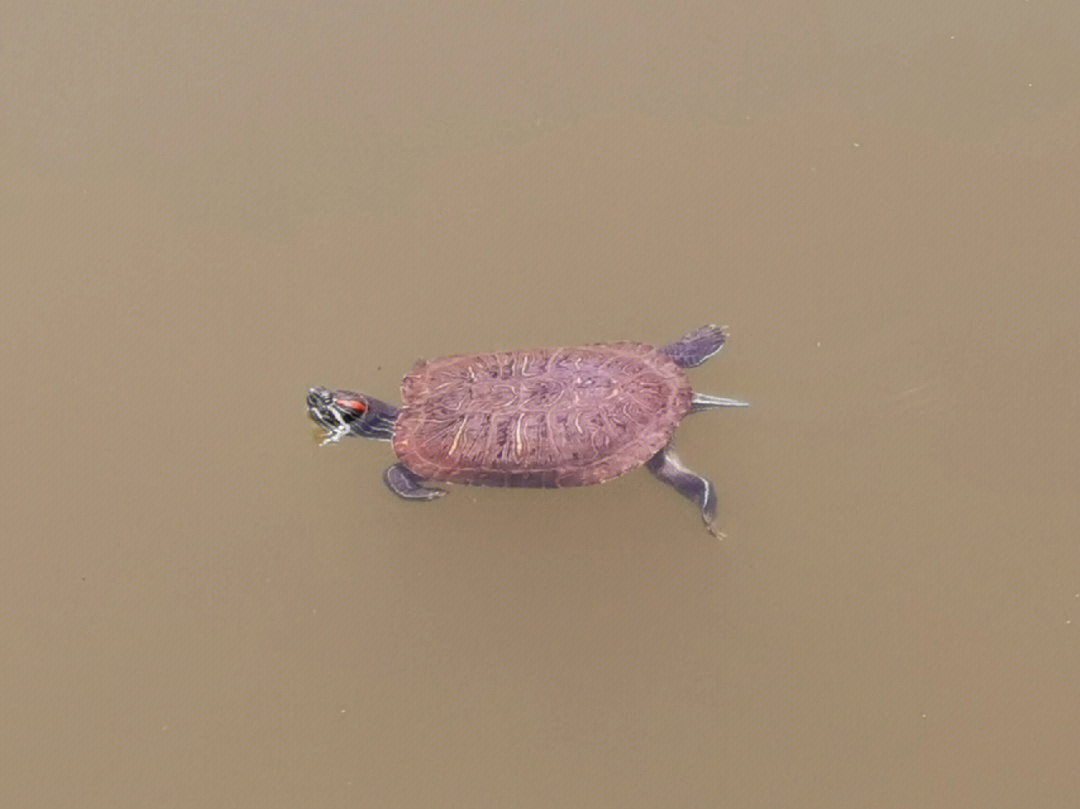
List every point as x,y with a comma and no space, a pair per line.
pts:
343,412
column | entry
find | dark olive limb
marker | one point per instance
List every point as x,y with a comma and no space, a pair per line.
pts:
405,484
666,466
694,348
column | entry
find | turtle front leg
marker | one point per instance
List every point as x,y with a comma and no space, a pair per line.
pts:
407,485
666,465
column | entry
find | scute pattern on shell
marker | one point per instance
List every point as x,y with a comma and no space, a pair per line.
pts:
544,417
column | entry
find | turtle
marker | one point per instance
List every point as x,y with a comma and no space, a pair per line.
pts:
548,417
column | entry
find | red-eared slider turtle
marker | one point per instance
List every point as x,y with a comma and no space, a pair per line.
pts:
546,417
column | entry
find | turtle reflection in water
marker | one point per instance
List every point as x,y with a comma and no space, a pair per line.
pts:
547,417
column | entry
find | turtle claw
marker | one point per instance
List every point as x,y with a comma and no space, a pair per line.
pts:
711,528
335,435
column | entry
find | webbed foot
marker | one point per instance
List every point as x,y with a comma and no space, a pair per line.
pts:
407,485
694,348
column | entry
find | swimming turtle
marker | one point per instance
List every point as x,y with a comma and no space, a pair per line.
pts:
546,417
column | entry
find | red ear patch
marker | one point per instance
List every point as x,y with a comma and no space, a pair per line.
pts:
355,405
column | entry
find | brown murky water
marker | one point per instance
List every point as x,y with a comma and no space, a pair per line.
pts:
208,208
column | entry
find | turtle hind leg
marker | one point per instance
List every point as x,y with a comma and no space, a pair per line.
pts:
407,485
697,346
666,465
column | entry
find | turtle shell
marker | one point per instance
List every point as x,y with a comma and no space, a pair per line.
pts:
544,417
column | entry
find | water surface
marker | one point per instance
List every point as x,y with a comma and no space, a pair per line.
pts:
206,211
